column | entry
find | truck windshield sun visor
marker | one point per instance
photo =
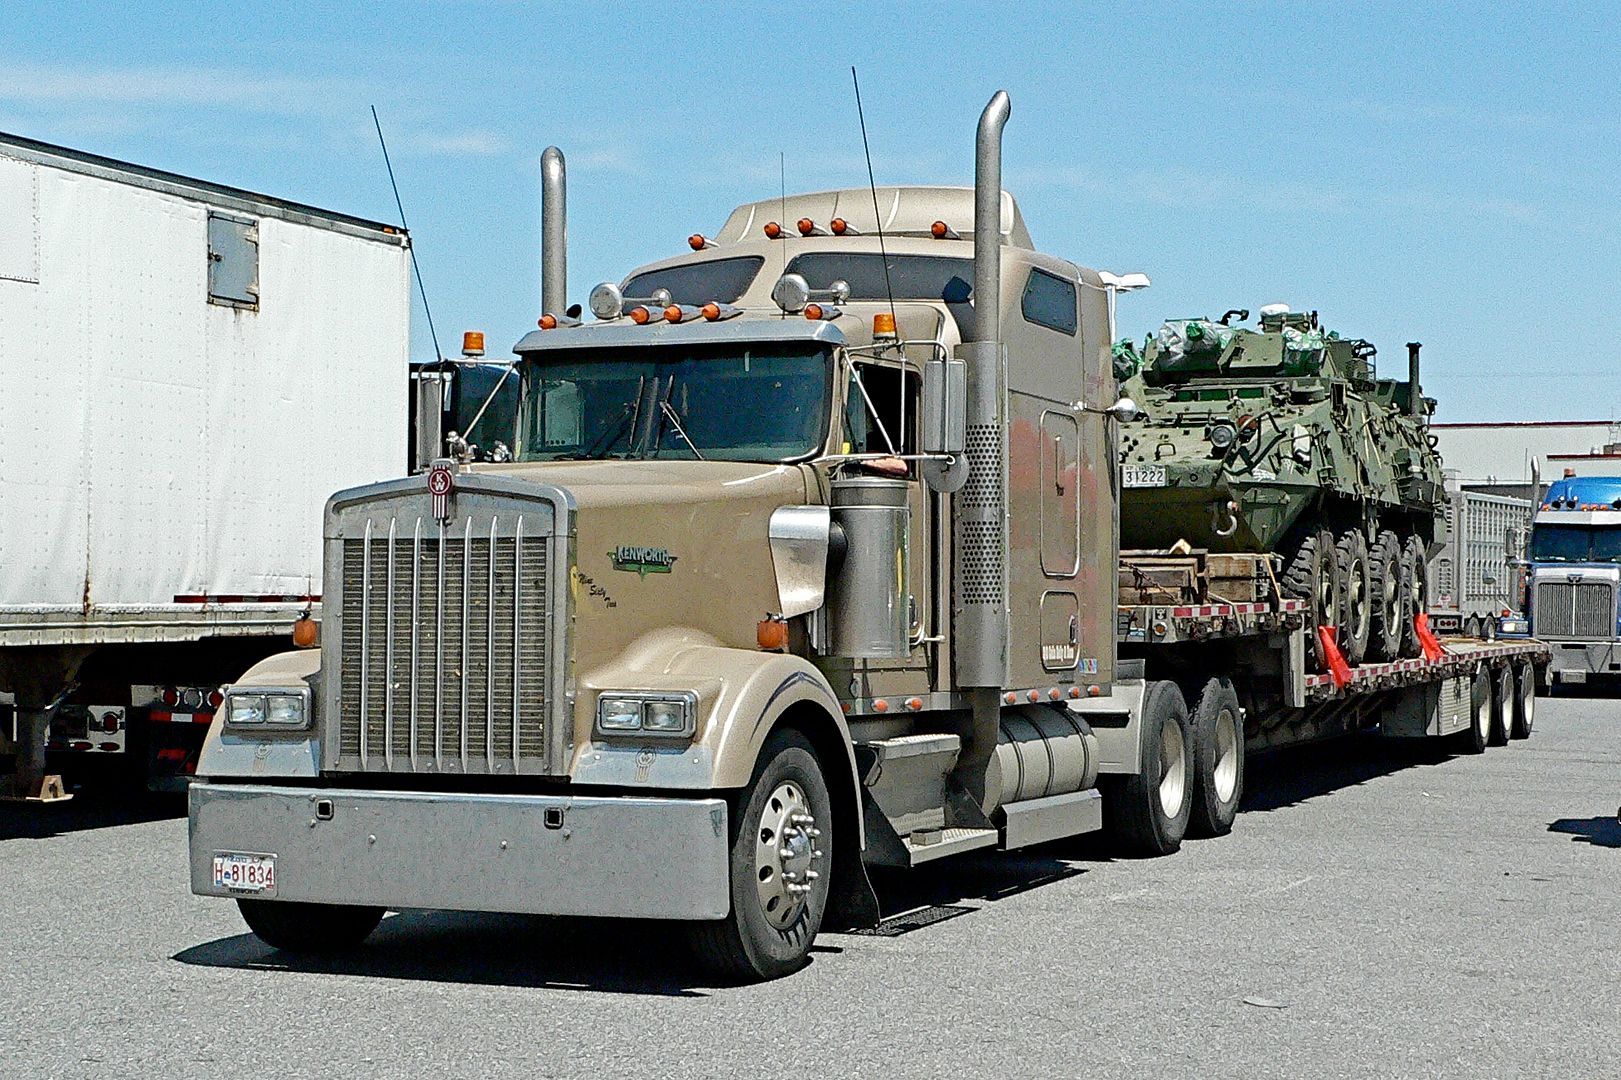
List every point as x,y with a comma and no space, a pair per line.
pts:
719,280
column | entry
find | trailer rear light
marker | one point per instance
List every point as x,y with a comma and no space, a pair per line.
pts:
772,231
172,753
215,699
171,696
109,746
109,719
78,745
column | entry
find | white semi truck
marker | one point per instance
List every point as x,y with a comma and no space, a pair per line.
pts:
186,372
807,561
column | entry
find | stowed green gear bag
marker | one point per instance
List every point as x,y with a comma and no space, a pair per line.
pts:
1127,361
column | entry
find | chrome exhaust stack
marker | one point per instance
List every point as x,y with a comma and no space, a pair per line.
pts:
979,583
553,233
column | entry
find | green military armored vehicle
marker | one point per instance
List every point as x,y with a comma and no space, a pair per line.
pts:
1282,438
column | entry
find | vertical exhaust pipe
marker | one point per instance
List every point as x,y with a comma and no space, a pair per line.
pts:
553,233
1415,400
979,586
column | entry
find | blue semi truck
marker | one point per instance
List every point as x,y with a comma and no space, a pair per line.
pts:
1573,576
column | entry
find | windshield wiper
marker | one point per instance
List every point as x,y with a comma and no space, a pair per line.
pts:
669,411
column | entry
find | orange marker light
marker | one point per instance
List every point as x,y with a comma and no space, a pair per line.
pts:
813,311
939,230
711,311
806,226
640,315
697,242
673,313
880,705
306,632
838,225
883,324
914,703
473,343
771,634
773,231
548,321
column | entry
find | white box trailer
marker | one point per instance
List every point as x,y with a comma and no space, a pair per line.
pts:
186,372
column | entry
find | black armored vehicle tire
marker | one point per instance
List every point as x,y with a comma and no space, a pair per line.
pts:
1388,600
1218,759
1525,700
1311,575
1356,595
1147,814
782,836
1415,576
1502,682
309,928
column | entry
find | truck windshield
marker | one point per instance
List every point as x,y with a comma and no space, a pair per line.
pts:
1575,543
762,402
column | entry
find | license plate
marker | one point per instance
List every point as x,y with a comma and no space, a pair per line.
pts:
1573,676
245,873
1139,476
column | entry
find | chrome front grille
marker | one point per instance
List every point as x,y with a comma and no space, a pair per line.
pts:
445,644
1582,609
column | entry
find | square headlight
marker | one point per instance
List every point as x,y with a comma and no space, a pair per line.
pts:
286,710
270,708
619,714
246,709
666,716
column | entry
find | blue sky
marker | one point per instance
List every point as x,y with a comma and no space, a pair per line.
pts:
1445,176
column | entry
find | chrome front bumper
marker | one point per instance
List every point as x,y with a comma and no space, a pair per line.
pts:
1582,659
619,856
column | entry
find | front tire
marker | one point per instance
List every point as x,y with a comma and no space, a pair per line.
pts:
1146,814
1218,760
309,928
1312,576
780,872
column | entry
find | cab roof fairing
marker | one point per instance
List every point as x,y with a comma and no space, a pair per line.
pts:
907,210
622,334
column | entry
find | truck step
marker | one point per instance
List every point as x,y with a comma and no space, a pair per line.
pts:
926,845
1035,821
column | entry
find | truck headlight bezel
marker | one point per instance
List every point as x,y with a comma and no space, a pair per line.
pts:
268,708
641,713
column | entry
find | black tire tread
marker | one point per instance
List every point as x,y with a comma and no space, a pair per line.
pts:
1131,803
1208,817
1349,548
1384,563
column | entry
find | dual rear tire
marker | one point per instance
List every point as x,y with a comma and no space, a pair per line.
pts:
1147,814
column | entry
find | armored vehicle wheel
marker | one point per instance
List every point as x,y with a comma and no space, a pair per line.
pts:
1415,574
1218,760
1525,701
1356,591
1384,572
309,928
1147,814
1474,738
1311,576
780,875
1502,706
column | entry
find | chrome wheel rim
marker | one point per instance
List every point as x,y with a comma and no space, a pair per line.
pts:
1356,591
785,854
1173,765
1225,774
1483,713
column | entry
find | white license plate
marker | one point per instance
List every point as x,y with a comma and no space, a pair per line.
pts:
245,873
1137,476
1573,676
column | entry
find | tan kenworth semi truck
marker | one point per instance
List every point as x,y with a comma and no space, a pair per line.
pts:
806,562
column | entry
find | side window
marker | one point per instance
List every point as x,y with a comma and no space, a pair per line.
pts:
866,425
1049,301
233,261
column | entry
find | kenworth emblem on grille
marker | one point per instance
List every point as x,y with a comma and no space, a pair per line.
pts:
441,485
642,561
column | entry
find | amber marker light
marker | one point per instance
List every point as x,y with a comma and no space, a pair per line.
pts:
697,242
806,226
883,325
672,313
640,315
473,343
939,230
306,632
710,311
773,231
813,311
771,634
838,225
548,321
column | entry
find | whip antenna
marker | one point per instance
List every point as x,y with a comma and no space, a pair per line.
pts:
433,335
877,218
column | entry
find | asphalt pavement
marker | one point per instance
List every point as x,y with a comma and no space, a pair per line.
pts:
1379,911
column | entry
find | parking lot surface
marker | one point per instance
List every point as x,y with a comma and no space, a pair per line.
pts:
1379,911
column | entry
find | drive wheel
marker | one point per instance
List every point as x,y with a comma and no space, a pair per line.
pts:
309,928
1147,814
1356,594
1525,701
1311,576
1473,739
1502,705
1415,574
1384,572
780,874
1218,760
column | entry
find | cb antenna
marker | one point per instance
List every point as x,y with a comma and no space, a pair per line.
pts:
433,335
877,218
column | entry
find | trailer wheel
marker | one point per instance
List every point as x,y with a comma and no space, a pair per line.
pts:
1389,600
780,875
1311,576
1415,573
1502,705
309,928
1218,760
1147,814
1474,738
1525,701
1356,594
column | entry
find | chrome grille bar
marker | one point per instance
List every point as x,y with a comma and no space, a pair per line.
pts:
489,660
517,632
365,640
388,655
416,625
439,659
467,574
